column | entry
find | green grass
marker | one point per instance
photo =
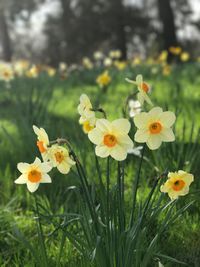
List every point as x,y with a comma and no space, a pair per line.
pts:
52,103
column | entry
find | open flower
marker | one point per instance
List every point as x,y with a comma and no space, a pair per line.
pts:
143,88
111,138
134,107
59,158
103,79
34,174
177,184
43,141
89,125
85,109
154,127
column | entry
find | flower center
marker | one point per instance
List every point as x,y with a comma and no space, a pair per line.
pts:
145,87
87,127
41,147
155,128
178,185
34,176
59,156
109,140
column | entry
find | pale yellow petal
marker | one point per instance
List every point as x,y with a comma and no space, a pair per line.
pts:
167,135
154,141
102,151
95,136
103,125
32,187
22,179
23,167
45,178
121,125
168,118
125,141
118,153
141,120
141,136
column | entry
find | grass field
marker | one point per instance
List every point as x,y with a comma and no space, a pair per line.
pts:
51,103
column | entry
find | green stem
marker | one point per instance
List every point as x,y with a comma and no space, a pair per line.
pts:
40,233
135,186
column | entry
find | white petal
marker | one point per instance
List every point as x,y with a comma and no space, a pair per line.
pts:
121,125
168,118
141,136
22,179
37,161
140,98
102,151
141,120
154,141
64,168
157,111
103,125
45,167
118,153
23,167
46,178
167,135
95,136
125,141
32,187
139,79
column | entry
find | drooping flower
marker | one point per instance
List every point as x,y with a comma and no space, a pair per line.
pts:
143,88
33,174
60,158
43,141
177,184
85,109
103,79
87,63
154,127
134,107
111,138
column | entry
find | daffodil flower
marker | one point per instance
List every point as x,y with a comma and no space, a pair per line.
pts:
143,89
177,184
43,141
154,127
111,138
85,109
34,174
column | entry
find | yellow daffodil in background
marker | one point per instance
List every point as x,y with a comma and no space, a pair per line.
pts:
89,124
50,71
154,127
120,65
166,70
34,174
43,141
33,72
85,109
177,184
107,62
185,56
62,66
143,89
6,74
60,158
134,107
111,138
87,63
20,67
103,79
163,56
115,54
175,50
137,61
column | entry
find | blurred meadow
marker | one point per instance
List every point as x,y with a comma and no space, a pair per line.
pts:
51,53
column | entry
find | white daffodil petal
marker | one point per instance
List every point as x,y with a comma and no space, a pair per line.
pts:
22,179
46,167
46,179
23,167
63,168
125,141
168,118
119,153
95,136
103,125
167,135
156,111
102,151
140,120
122,125
141,136
154,141
32,187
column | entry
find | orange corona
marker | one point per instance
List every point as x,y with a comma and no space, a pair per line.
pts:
110,140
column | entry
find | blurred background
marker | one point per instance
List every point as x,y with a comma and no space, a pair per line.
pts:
51,31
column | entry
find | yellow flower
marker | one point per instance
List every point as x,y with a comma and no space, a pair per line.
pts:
59,158
154,127
111,138
33,72
184,56
33,174
177,184
175,50
20,67
166,70
115,54
89,125
163,56
85,109
43,141
104,79
51,71
137,60
87,63
98,55
120,65
143,89
6,74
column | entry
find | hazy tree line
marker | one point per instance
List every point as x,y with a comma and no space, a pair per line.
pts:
82,26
